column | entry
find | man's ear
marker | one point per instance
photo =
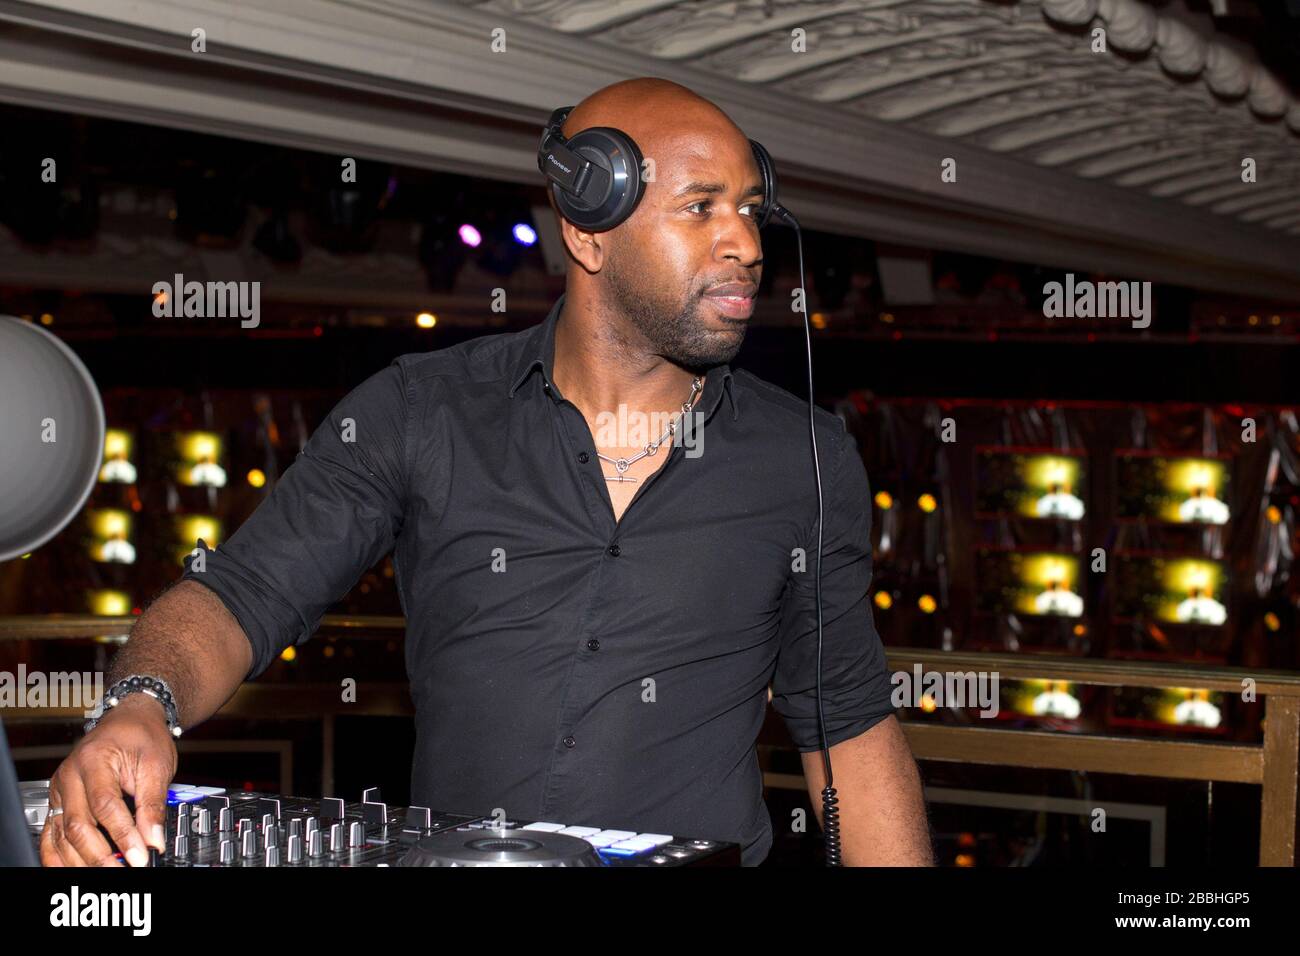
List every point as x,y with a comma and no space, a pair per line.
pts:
588,248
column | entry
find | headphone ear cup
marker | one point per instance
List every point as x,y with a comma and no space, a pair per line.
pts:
767,172
614,187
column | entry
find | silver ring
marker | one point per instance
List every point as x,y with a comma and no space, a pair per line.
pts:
54,812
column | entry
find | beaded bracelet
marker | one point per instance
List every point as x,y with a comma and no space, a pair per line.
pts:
155,687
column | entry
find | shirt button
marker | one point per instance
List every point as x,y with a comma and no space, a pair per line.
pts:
615,551
583,457
570,742
593,645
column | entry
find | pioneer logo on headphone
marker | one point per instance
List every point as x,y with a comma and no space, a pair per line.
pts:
552,159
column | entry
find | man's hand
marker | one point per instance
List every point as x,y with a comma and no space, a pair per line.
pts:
130,751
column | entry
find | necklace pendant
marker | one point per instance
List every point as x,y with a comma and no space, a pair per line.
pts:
620,478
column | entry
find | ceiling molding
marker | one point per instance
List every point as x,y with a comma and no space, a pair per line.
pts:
413,81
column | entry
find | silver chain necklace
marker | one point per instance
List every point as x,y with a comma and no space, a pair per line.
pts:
621,465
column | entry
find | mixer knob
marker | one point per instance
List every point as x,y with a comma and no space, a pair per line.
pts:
357,835
181,849
336,838
314,847
371,796
294,854
268,821
225,821
245,825
204,824
227,852
249,844
295,828
272,857
312,824
271,836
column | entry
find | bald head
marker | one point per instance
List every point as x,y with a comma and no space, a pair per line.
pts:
693,230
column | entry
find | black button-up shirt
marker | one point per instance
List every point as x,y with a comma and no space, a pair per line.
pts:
564,666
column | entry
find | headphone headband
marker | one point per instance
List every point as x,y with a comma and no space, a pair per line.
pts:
595,176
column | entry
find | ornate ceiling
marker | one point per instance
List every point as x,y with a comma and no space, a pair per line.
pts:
1127,160
1167,108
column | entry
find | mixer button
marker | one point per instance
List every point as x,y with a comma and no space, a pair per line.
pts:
545,827
579,831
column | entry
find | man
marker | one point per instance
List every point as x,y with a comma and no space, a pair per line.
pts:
581,649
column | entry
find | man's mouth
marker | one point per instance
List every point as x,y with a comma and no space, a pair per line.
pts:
733,299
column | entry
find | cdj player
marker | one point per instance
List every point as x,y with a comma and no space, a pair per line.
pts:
213,827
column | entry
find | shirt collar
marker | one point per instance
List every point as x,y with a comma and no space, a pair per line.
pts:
539,352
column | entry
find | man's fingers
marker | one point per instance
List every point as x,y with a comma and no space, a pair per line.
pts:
52,841
104,798
79,828
151,805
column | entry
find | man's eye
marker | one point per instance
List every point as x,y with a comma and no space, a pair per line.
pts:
702,202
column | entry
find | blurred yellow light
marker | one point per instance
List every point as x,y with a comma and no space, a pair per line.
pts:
1272,621
1080,630
884,500
818,320
26,556
328,651
965,859
886,317
1274,514
110,603
115,443
927,503
47,319
1253,320
256,478
1275,320
289,653
927,604
928,704
884,600
426,320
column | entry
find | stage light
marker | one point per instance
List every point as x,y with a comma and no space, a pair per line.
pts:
927,503
818,320
927,604
47,319
965,859
109,603
426,320
289,653
928,703
469,235
1274,514
1272,622
884,500
525,233
884,600
257,478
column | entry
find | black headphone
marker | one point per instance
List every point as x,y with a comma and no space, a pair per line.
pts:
596,176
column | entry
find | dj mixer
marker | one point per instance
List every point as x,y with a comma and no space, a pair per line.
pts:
214,827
